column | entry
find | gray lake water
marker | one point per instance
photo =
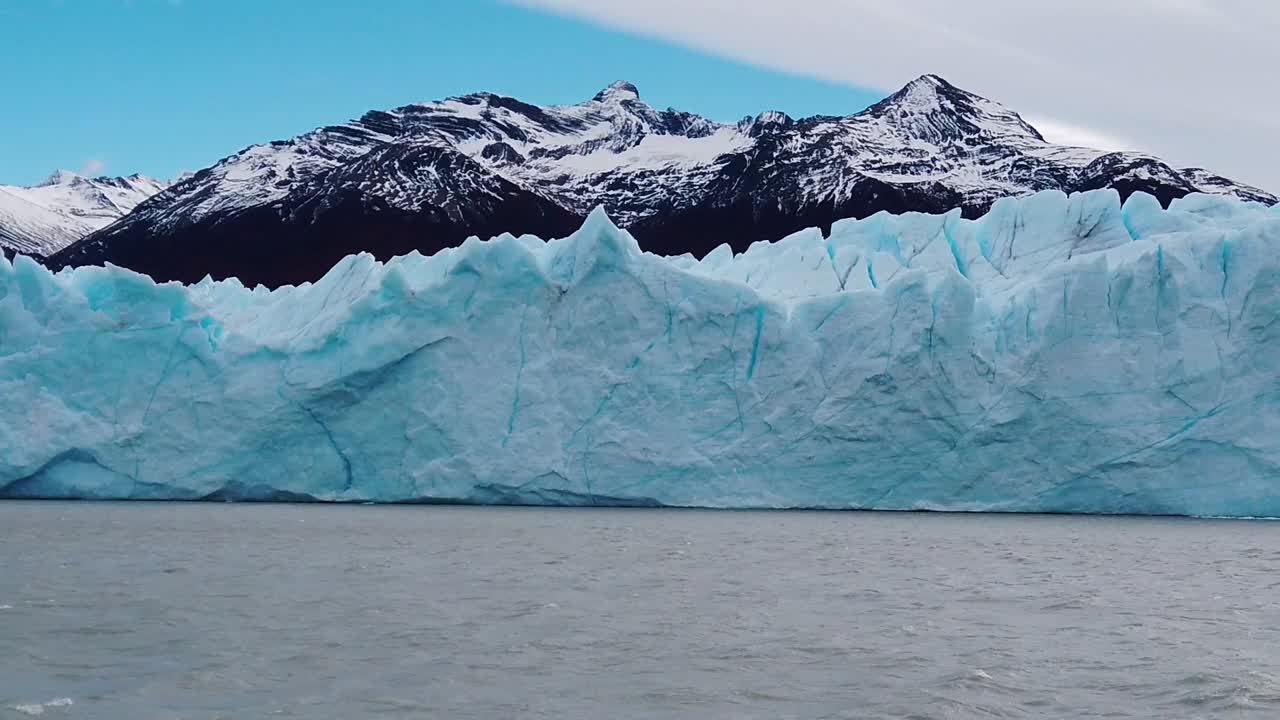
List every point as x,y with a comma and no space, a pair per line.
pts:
137,610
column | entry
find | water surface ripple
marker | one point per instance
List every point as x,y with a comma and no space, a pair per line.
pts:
194,611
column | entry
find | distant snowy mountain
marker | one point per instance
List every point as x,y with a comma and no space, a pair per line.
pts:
426,176
42,219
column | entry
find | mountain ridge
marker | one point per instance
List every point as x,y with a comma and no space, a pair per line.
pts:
427,175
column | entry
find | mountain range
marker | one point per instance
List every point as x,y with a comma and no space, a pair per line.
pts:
427,176
46,217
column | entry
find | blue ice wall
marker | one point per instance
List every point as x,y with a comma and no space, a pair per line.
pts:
1061,354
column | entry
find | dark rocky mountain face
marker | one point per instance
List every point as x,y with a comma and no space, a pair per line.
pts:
424,177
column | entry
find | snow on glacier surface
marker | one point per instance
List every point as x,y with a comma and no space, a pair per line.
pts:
1059,354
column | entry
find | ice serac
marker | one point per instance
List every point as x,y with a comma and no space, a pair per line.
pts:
1063,354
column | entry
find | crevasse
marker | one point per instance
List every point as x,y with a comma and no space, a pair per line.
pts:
1061,354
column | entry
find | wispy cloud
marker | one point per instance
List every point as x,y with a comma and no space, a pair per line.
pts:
93,166
175,4
1067,134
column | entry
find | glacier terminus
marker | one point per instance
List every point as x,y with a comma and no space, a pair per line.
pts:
1058,354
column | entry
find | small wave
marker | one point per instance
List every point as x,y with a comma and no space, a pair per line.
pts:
980,678
1081,602
765,695
6,607
1269,518
1244,690
39,708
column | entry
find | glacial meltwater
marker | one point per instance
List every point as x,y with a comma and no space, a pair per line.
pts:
202,610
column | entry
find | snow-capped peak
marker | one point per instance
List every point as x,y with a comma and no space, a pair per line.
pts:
617,92
923,93
60,177
773,117
933,109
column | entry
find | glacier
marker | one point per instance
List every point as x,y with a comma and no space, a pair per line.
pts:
1059,354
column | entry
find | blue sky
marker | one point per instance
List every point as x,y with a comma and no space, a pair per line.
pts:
162,86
